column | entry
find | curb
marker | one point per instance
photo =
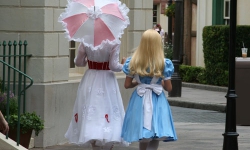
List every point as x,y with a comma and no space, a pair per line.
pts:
175,101
203,106
205,87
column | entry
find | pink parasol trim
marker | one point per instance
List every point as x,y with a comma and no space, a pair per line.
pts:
101,32
112,9
87,3
74,22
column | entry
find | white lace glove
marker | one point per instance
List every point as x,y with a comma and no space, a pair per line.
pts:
81,58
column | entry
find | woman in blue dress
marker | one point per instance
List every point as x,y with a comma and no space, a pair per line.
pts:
148,118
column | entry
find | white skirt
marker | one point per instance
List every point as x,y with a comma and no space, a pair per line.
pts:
98,111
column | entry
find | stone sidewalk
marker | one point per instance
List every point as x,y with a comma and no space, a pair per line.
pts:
192,136
201,97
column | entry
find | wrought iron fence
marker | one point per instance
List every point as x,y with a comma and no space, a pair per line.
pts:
13,57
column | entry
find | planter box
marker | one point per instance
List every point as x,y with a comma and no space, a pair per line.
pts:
24,138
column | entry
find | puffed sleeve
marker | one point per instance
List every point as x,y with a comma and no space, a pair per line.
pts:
168,70
125,68
114,63
81,58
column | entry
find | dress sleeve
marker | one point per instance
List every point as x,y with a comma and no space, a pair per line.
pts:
81,58
114,63
125,68
168,70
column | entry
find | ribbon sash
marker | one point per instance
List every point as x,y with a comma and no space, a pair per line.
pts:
145,91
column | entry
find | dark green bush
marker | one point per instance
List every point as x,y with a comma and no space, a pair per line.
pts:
201,77
190,73
170,10
168,51
216,51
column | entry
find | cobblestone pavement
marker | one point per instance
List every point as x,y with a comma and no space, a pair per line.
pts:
196,130
188,115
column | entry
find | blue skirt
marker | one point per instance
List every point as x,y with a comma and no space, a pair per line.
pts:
162,122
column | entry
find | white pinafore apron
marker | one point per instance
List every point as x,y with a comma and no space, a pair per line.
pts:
145,91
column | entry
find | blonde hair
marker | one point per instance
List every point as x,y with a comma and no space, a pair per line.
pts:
148,58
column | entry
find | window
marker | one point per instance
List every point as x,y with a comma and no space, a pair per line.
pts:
227,11
154,14
72,53
74,71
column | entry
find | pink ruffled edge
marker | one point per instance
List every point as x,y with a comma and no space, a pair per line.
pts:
124,11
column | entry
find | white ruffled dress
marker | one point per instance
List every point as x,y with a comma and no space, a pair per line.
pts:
98,112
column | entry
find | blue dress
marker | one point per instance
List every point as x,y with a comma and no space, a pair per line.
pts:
162,126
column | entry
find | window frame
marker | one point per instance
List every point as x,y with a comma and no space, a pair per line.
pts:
225,4
155,10
226,11
76,72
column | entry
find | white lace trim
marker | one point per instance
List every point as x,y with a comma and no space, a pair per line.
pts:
90,112
107,129
116,113
100,91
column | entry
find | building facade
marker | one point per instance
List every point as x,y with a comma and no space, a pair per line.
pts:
55,85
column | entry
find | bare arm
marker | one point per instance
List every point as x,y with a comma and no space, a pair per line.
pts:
3,124
167,85
129,83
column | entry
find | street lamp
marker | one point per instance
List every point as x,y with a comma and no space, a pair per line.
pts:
230,135
169,25
178,49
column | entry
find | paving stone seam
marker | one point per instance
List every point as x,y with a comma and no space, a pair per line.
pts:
205,87
198,105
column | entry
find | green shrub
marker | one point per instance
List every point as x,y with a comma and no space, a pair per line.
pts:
201,77
168,51
170,10
190,73
216,51
28,121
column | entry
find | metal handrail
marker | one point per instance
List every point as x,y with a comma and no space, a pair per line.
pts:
20,76
31,80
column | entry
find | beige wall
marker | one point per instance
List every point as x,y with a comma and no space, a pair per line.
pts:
204,18
36,22
243,12
140,20
163,20
193,39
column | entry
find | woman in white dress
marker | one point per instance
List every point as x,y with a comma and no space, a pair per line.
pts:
98,111
160,31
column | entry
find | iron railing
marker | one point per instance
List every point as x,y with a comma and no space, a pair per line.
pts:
14,77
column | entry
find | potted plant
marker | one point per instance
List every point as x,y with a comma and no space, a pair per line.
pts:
28,121
170,10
